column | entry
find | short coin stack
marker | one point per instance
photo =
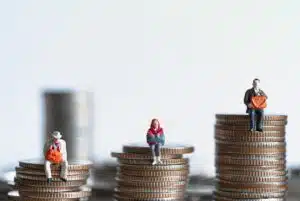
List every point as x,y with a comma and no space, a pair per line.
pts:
30,181
250,165
138,179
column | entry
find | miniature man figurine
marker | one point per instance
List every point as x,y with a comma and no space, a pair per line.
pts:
55,152
251,110
155,139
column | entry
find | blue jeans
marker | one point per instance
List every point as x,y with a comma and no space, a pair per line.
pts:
259,118
155,148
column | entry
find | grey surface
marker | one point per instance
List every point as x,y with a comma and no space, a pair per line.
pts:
71,113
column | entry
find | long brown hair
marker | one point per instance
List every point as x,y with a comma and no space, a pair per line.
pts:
152,123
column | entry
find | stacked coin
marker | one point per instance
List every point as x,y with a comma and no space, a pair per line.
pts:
31,182
138,179
250,165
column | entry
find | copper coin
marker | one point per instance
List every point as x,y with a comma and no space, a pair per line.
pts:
146,156
72,164
247,122
153,167
44,183
239,139
151,179
128,198
56,172
43,195
246,117
253,195
151,184
250,144
251,173
167,149
179,161
247,133
247,127
149,195
183,172
251,179
54,178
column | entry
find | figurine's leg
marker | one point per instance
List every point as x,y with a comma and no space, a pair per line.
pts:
153,154
157,152
48,170
64,170
157,149
259,121
252,119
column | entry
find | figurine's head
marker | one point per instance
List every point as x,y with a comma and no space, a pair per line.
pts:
155,124
256,83
56,135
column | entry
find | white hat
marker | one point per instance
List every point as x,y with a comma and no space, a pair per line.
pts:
56,135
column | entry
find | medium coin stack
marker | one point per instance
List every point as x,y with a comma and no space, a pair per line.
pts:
250,165
31,184
138,179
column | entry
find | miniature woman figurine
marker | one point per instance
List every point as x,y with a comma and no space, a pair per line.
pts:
155,139
251,109
55,152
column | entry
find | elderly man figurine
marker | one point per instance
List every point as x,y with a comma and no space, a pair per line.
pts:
155,139
255,101
55,152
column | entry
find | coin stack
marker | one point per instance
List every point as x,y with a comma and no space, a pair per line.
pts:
250,165
138,179
30,181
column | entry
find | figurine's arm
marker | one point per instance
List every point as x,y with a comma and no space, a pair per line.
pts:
150,138
247,97
162,138
46,147
63,150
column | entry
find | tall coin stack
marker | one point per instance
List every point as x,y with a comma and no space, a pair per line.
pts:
250,165
138,179
30,181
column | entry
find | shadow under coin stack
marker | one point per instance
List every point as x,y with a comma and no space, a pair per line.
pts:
138,179
30,181
250,165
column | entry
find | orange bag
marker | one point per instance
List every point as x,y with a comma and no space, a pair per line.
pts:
259,102
54,156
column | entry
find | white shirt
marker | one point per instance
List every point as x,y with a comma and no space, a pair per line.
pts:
257,91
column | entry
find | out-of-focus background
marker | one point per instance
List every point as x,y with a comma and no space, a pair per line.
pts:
179,61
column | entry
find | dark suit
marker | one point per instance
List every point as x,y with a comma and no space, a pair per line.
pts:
253,112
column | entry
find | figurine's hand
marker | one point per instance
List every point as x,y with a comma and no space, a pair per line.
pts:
250,105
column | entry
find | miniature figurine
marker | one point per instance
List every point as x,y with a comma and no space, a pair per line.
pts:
55,152
255,101
155,139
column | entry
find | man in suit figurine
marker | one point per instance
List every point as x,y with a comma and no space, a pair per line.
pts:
251,110
55,152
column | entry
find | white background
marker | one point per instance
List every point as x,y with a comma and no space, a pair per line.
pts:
181,61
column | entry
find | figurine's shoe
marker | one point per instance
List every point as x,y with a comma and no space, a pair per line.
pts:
64,179
251,129
154,162
159,161
259,130
49,180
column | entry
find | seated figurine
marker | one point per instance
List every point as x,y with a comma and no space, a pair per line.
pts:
155,139
55,152
255,101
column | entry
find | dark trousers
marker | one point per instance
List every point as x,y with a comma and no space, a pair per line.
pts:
259,118
155,148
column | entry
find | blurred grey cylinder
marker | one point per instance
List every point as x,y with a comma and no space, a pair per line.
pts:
71,113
